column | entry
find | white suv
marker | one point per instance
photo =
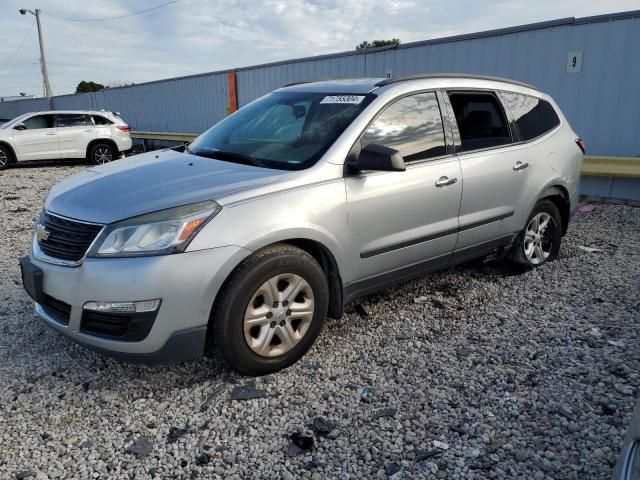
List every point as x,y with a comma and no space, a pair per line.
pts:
100,137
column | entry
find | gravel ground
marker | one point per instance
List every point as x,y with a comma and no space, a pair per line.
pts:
477,372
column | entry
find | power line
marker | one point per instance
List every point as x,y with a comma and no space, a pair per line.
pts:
109,18
19,46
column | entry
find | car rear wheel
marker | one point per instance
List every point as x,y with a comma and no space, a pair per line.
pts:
102,153
539,242
271,310
5,157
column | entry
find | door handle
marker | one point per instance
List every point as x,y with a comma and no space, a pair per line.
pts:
444,181
89,130
51,133
520,165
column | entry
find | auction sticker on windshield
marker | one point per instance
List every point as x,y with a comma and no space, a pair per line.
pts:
353,99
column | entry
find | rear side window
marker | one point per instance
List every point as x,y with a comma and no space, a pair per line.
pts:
100,120
72,120
481,120
412,125
533,116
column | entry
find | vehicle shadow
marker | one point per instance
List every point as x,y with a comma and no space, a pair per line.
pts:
49,163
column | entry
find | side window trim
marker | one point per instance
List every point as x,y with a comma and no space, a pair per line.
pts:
459,150
357,146
452,136
511,121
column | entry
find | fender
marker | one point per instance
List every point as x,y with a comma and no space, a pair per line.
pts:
315,235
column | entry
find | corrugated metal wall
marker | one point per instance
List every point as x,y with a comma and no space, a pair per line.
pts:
602,102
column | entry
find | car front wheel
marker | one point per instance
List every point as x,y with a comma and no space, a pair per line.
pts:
271,310
5,157
539,242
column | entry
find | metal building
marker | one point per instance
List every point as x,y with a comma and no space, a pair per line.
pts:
590,65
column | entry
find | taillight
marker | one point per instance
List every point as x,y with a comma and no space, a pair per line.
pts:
582,145
124,128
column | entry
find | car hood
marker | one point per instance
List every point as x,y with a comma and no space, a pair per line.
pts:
150,182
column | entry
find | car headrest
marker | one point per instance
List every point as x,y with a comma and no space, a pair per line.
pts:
477,124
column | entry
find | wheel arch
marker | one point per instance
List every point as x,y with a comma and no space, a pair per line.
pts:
559,195
101,140
12,152
320,252
327,261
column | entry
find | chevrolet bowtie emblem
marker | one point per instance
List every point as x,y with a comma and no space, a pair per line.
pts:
42,233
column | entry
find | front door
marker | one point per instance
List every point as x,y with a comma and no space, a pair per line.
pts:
39,141
402,221
75,131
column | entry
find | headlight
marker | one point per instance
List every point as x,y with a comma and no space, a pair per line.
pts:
158,233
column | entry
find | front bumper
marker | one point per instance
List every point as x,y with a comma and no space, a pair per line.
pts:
187,283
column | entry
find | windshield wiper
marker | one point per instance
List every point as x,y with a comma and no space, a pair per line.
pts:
229,156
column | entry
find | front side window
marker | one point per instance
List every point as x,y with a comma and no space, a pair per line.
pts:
285,130
533,116
411,125
72,120
481,120
38,122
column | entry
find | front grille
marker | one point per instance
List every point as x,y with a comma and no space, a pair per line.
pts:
68,239
57,309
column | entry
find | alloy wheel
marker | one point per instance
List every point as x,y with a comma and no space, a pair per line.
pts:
4,158
102,155
278,315
538,238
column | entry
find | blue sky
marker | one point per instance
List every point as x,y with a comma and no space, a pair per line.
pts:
195,36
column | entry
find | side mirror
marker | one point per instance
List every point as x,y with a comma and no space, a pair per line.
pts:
379,158
20,126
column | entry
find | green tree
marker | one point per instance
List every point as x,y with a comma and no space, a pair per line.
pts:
377,43
85,87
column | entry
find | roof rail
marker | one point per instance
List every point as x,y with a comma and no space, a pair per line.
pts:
299,82
326,79
426,76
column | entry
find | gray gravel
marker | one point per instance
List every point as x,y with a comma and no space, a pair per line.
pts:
477,372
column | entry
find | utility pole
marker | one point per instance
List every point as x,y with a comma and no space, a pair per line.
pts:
43,61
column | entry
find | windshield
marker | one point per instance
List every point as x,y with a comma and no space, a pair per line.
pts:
285,130
8,122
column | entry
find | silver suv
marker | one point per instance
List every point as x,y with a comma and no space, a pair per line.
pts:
300,202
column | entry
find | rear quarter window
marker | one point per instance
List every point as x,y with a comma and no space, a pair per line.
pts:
533,116
100,120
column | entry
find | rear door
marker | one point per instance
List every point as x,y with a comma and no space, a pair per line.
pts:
39,141
403,221
75,131
495,181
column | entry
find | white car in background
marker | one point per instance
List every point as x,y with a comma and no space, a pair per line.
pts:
98,137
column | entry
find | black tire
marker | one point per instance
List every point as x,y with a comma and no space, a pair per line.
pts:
101,153
6,157
550,240
227,327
